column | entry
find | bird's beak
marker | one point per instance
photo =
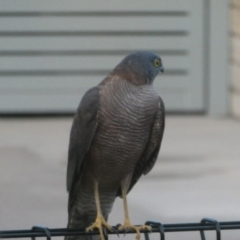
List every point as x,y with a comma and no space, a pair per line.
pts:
161,69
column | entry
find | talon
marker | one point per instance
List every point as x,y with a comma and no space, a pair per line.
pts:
126,230
127,226
149,228
104,231
101,225
115,229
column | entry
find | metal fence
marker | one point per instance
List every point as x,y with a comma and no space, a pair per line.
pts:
206,224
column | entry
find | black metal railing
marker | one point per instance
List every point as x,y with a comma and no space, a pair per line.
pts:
206,224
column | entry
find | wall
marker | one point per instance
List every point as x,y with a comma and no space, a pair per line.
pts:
52,52
235,58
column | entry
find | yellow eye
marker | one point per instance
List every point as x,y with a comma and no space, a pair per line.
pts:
156,62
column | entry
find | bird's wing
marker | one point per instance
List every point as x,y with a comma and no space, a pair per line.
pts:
149,156
83,129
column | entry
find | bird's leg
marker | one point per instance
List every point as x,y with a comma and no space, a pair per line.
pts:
100,221
127,223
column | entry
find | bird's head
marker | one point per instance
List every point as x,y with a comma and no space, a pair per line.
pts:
140,67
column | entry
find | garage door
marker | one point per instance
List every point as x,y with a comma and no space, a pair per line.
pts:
51,52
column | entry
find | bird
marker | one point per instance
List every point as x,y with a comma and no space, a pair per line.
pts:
115,138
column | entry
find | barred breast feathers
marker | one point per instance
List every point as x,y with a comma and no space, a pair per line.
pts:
128,97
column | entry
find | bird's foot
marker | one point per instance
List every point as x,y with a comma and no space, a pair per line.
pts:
127,225
99,223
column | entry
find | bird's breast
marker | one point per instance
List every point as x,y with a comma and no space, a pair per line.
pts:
124,121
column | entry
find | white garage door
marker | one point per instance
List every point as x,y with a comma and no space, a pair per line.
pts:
51,52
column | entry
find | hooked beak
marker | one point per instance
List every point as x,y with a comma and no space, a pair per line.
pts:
161,69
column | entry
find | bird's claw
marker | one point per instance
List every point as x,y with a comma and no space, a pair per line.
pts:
127,226
105,233
115,229
126,230
101,224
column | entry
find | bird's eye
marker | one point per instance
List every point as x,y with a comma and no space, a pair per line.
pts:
156,62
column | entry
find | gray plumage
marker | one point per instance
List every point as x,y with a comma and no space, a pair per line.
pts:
115,137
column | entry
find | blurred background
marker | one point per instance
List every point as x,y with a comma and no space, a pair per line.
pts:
51,52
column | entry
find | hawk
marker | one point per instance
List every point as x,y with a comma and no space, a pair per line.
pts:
115,138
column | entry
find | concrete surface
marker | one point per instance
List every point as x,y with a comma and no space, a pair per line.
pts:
197,175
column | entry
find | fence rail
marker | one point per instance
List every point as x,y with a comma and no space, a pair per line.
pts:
206,224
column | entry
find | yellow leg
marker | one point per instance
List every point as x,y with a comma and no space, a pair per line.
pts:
100,221
127,223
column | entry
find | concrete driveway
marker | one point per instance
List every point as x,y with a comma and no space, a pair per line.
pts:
197,175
